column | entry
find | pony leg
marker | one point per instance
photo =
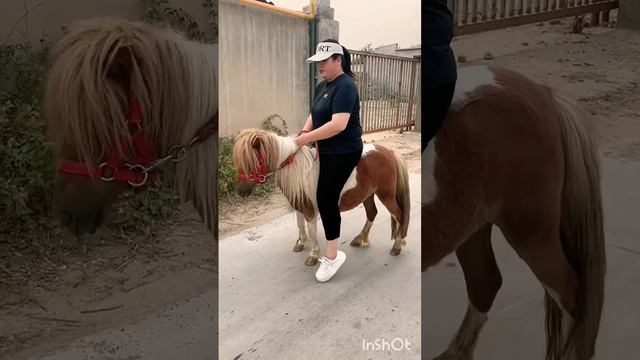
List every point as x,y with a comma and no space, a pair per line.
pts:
314,254
302,233
440,235
483,280
543,253
362,240
396,214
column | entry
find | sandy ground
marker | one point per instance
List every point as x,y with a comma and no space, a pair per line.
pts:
105,287
600,67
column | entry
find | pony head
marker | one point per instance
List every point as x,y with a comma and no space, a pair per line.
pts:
254,156
107,100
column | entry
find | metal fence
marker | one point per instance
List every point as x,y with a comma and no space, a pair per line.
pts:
473,16
388,87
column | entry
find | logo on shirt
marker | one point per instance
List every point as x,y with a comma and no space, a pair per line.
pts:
325,96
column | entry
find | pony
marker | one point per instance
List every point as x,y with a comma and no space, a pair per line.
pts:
124,100
258,155
522,156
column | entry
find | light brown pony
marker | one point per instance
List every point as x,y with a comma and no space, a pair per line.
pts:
98,67
262,154
516,154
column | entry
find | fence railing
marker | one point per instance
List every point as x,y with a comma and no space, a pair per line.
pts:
388,87
472,16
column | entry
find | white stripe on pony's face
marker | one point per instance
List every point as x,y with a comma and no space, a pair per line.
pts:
429,186
471,78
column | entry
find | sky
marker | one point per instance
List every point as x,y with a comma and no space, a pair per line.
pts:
379,22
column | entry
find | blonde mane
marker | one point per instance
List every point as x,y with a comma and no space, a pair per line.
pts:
297,181
175,81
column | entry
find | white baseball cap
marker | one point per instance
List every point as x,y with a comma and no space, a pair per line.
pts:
324,50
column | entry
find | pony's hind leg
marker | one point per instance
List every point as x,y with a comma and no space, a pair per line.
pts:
314,254
541,248
396,213
362,239
302,233
483,281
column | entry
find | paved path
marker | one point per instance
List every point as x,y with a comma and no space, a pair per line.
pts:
515,329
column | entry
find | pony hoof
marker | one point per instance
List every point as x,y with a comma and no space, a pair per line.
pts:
311,260
395,251
359,241
299,246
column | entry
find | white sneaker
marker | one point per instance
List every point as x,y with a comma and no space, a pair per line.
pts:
329,267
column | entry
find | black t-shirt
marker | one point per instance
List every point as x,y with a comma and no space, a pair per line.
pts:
438,61
338,96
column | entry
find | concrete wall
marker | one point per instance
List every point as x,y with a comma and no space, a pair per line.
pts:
386,49
393,49
629,14
48,16
409,52
262,68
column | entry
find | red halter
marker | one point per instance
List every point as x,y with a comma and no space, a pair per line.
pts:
142,169
262,173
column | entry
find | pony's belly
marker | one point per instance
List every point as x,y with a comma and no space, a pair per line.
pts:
350,200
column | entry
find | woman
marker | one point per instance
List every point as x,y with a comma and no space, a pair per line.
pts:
439,66
334,123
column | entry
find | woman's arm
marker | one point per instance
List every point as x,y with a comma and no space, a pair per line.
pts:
338,123
308,125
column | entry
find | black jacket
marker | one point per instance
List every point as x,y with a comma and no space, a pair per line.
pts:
438,62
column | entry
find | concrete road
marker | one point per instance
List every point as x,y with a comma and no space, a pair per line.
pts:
515,329
272,307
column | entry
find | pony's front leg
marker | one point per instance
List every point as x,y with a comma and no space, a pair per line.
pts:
302,233
312,227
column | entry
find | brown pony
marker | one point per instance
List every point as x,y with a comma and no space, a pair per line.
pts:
516,154
259,154
124,99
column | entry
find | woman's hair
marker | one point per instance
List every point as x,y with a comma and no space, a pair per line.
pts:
345,59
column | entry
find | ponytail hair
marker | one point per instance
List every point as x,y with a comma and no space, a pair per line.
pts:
345,59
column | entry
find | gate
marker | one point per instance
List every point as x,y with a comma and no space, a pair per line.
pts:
388,87
471,16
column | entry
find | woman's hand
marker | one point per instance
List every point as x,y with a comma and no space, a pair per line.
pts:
301,139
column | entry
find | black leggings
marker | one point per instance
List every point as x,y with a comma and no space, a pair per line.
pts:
334,172
436,106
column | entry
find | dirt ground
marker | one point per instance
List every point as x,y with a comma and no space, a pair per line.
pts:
599,67
102,285
94,284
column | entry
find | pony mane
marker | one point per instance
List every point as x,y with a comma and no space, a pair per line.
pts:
174,80
297,180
